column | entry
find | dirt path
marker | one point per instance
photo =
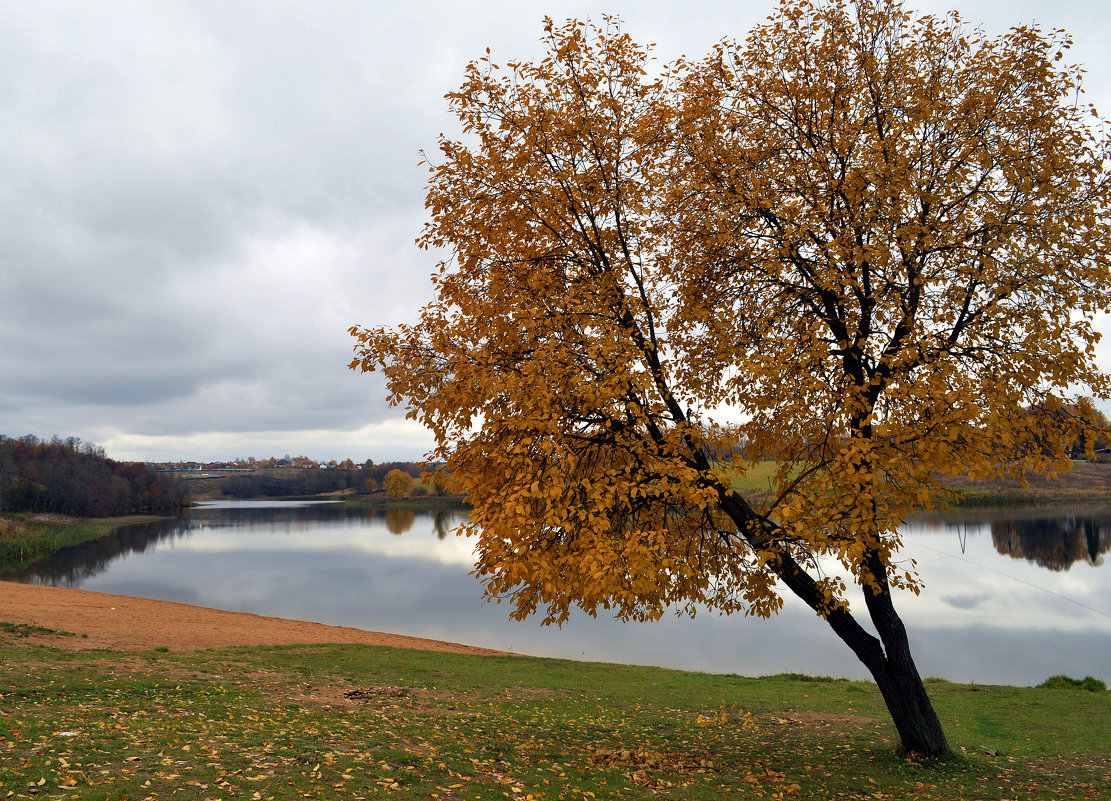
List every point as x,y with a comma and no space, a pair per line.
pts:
136,624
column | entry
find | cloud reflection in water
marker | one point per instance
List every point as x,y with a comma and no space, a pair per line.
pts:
981,618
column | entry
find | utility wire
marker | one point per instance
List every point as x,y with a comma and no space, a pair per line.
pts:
1015,578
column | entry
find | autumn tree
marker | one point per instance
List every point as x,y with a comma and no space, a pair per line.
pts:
398,483
862,243
76,478
1096,438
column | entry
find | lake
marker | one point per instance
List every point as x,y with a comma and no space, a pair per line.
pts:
1009,598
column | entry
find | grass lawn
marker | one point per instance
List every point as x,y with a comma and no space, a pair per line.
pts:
759,478
1085,483
362,722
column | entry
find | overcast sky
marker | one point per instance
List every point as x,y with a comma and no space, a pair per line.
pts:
197,199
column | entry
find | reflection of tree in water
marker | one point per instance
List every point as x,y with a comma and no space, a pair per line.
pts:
398,521
443,523
75,564
1054,542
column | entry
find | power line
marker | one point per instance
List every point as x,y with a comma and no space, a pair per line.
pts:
1016,578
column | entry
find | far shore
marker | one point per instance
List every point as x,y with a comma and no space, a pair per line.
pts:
27,537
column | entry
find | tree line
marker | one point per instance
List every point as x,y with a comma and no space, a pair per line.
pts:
76,478
313,481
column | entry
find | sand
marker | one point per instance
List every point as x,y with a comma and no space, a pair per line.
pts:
122,623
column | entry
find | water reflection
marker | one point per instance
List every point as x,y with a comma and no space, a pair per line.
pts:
398,521
1055,543
75,565
982,617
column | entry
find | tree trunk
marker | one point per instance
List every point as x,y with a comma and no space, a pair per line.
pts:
888,658
897,675
914,717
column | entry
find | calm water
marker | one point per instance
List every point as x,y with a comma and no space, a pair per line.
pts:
1009,598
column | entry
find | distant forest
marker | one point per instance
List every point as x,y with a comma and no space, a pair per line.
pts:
72,477
75,478
312,481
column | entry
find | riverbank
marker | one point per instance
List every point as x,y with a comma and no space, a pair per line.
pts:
418,503
28,537
331,721
1086,483
122,623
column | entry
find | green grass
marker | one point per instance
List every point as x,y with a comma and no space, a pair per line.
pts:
28,629
361,722
26,538
418,503
1088,684
759,478
972,498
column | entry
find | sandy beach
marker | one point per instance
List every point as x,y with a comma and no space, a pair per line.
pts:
122,623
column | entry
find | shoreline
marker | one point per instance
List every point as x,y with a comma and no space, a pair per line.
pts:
124,623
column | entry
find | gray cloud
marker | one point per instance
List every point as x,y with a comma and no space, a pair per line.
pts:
198,198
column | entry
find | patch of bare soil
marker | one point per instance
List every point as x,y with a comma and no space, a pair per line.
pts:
811,718
122,623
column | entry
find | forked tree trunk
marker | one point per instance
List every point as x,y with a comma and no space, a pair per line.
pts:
888,658
889,661
897,675
914,717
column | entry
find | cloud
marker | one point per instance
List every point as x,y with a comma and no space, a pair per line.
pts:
200,197
391,439
200,201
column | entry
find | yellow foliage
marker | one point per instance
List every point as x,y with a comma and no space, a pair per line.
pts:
863,245
398,483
